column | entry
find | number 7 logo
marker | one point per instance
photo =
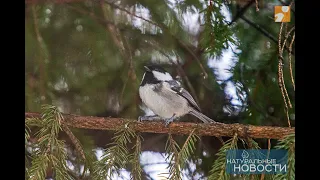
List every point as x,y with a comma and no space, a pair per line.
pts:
282,13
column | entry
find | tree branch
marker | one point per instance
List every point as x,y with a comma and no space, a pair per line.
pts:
180,128
264,32
241,12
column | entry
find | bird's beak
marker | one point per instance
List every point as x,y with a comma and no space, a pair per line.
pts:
146,68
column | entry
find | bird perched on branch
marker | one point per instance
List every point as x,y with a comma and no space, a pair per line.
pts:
166,98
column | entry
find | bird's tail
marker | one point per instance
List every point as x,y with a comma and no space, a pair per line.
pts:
201,116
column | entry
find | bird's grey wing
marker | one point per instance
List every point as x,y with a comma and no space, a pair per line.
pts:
176,87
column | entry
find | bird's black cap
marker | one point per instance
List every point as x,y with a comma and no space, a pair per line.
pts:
148,77
155,67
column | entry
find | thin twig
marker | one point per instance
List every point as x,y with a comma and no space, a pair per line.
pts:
113,31
163,27
84,12
269,147
250,99
84,171
42,78
281,79
123,88
263,31
284,85
290,62
51,1
241,12
188,82
205,74
257,5
130,13
119,42
285,4
286,29
281,55
131,73
286,38
74,140
183,74
221,140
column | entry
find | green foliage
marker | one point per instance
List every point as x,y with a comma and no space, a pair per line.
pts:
39,167
135,159
256,72
217,34
116,156
26,133
51,152
177,157
218,171
254,144
288,143
188,148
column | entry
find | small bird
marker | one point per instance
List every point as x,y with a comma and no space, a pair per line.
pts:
166,98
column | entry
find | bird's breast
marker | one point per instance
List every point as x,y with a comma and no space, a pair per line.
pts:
163,103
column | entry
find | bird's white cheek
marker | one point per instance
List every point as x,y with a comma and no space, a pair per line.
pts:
161,76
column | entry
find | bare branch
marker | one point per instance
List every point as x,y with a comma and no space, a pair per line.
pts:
263,31
165,28
74,140
241,11
181,128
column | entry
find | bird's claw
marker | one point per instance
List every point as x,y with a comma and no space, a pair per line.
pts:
144,118
168,121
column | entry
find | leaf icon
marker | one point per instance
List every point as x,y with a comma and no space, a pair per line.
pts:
245,154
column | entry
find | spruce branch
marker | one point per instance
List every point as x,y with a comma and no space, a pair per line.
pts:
188,148
60,167
177,156
39,167
215,23
51,151
26,136
255,145
135,159
172,148
116,156
180,128
288,143
91,158
33,122
218,171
